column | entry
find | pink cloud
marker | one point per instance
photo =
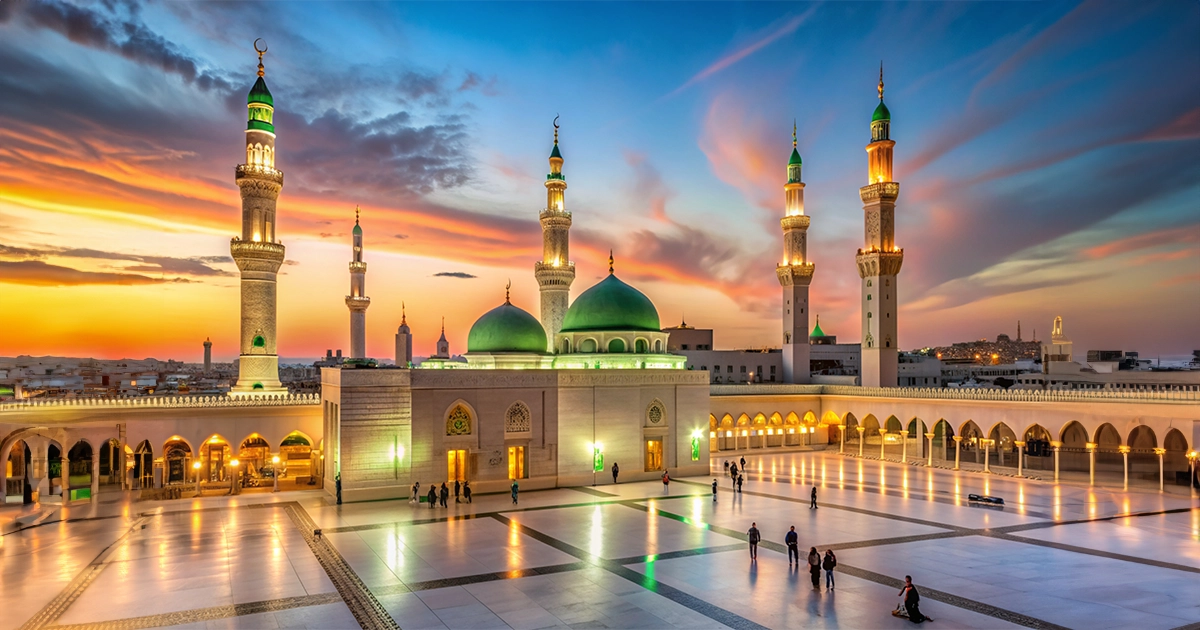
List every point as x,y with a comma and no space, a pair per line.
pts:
1157,238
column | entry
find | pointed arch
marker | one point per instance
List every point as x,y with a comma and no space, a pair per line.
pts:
518,418
460,419
726,420
776,419
760,419
743,420
893,424
810,418
1142,437
1107,436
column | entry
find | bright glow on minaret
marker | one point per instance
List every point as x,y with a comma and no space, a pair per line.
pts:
257,254
358,301
795,274
555,272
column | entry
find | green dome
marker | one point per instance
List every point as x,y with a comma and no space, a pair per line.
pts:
507,328
357,230
554,152
817,332
795,157
611,305
881,113
260,94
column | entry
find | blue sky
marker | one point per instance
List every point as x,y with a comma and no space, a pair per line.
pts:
1046,154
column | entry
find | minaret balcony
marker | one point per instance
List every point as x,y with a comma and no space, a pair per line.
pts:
877,262
258,171
551,275
557,218
358,267
558,176
879,191
357,302
795,222
796,274
256,255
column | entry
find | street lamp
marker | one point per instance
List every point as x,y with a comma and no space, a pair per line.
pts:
233,482
196,467
275,472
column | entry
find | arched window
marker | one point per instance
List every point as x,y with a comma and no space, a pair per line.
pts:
259,341
640,346
517,419
459,421
658,346
588,346
566,346
616,345
656,414
868,297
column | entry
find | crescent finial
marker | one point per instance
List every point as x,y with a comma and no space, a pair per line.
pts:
556,121
264,48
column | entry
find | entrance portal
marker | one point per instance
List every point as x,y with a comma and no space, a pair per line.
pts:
456,465
654,454
516,462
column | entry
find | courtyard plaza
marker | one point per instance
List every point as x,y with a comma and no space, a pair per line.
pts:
632,555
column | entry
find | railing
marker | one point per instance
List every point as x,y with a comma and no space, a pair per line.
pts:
163,402
947,393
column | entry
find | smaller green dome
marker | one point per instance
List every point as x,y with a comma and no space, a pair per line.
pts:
357,230
817,332
260,94
795,157
611,305
554,152
507,328
881,113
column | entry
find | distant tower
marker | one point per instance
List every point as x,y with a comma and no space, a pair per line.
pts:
358,301
555,272
208,356
403,341
443,346
1018,330
257,254
1059,349
879,260
795,274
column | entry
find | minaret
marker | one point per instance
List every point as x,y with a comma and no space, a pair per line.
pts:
879,260
443,346
403,341
257,254
555,272
208,356
795,274
358,301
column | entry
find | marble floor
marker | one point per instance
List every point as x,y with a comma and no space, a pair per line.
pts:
633,555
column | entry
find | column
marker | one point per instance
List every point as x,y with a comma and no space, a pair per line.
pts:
1020,444
841,438
1091,449
95,474
64,470
986,463
1160,452
862,438
904,447
957,450
882,442
929,451
1124,450
1055,444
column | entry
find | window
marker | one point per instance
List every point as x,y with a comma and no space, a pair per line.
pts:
655,413
517,419
459,421
704,367
868,297
259,341
616,345
730,370
743,369
683,347
772,369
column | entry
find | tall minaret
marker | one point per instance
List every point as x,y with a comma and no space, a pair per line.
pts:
358,301
555,272
879,260
403,341
795,274
257,254
208,355
443,346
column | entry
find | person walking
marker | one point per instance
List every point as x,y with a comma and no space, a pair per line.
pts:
739,484
445,495
743,461
666,479
753,536
792,541
727,467
733,469
912,601
814,567
432,497
416,492
467,491
812,504
714,489
457,490
515,489
828,564
615,471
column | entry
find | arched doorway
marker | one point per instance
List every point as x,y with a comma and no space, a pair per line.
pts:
758,431
110,462
1143,462
79,469
254,460
914,434
55,468
943,440
295,451
177,460
776,433
143,464
1039,454
1175,463
1073,454
1001,452
870,435
713,437
17,472
725,430
1109,461
851,431
215,454
893,439
971,448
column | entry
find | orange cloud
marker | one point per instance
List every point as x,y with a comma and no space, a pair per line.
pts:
1170,236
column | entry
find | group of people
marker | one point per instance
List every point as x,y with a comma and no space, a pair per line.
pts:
815,561
735,475
441,496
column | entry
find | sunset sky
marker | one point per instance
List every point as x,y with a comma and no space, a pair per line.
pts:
1048,156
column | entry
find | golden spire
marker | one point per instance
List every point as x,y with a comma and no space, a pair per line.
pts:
403,317
610,262
355,215
260,55
506,288
556,129
881,81
793,133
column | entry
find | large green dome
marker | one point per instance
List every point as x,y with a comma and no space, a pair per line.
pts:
881,113
507,328
611,305
260,94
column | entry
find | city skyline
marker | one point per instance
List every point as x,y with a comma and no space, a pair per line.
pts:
1046,171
